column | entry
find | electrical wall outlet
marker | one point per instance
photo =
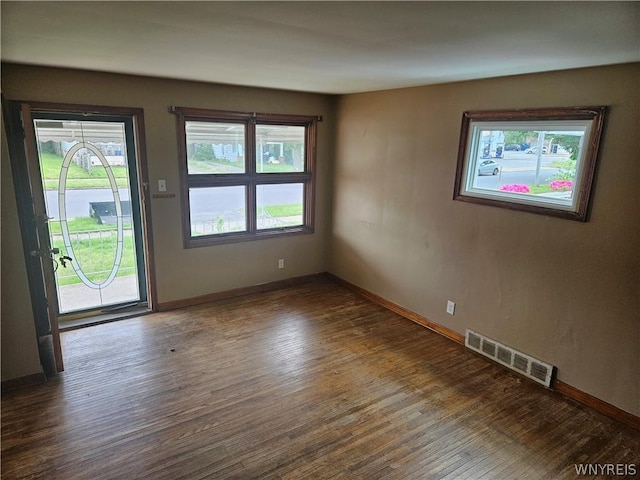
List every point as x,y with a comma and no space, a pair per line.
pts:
281,263
451,307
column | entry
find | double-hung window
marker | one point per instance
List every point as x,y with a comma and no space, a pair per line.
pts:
245,175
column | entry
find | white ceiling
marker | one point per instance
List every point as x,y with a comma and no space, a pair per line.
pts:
328,47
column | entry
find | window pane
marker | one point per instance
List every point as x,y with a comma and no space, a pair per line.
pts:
217,210
280,205
532,164
214,147
279,148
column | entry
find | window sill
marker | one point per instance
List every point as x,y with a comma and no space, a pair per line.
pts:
223,239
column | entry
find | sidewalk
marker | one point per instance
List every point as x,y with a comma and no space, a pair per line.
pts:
80,297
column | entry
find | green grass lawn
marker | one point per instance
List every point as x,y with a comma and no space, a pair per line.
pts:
537,189
78,177
82,224
290,210
223,166
95,255
94,248
275,168
214,166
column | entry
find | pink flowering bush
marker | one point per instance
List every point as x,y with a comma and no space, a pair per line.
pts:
516,187
561,185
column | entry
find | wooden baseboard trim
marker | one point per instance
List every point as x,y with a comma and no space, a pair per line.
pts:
558,386
21,382
402,311
237,292
596,404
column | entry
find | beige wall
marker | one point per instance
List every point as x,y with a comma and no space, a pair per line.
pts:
180,273
563,291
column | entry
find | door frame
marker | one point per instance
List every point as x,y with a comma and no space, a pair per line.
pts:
22,150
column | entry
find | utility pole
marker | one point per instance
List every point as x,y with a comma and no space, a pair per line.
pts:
539,155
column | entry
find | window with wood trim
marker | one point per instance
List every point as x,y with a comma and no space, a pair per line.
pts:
245,176
538,160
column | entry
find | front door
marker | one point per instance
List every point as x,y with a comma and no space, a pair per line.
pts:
83,170
89,180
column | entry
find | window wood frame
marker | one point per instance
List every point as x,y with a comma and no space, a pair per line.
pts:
584,179
250,179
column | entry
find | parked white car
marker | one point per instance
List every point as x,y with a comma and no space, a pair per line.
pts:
535,150
488,167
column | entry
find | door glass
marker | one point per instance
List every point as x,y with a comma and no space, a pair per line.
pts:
86,181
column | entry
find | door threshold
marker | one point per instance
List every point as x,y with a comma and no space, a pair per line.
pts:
96,319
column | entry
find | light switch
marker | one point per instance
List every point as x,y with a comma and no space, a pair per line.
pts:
162,185
451,307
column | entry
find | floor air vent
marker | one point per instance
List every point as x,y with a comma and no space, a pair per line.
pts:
539,371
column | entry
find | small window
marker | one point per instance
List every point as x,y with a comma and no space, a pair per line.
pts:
541,161
280,148
244,175
215,148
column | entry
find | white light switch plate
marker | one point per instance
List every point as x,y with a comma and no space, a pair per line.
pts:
451,307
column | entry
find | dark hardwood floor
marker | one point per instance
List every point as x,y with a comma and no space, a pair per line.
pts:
311,382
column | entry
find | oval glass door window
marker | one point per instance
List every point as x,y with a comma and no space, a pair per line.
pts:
117,211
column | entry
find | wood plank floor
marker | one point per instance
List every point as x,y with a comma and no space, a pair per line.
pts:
311,382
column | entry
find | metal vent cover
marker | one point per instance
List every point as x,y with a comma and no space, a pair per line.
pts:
538,371
489,348
520,362
474,340
504,354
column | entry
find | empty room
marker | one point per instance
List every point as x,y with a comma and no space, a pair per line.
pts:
320,240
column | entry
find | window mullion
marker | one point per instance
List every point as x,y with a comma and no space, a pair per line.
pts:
199,181
250,141
251,174
277,178
251,207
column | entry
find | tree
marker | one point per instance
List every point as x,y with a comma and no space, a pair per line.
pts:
518,136
203,152
571,143
567,168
